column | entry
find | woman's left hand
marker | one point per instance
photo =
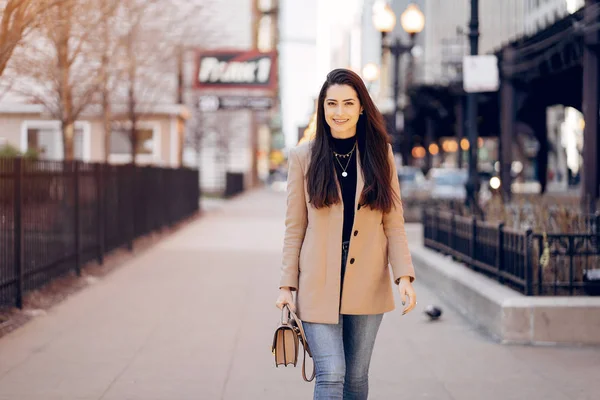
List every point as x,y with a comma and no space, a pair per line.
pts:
407,290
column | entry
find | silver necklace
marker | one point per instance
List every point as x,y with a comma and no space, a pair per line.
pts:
349,156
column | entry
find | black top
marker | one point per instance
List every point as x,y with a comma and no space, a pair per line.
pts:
348,183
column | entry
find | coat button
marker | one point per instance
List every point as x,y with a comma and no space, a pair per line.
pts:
352,261
355,233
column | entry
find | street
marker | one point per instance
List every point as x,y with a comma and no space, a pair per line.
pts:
193,318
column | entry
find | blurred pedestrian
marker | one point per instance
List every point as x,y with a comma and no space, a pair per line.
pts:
344,224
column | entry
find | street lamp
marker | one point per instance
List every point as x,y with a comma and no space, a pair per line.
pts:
384,19
412,19
472,185
370,73
413,22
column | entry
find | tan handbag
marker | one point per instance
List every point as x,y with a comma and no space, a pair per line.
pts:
288,337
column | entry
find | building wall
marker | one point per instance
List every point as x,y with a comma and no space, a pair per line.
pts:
299,77
229,25
448,24
371,47
166,135
500,22
10,133
442,19
97,141
165,148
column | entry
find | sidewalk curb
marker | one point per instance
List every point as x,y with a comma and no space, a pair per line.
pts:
504,314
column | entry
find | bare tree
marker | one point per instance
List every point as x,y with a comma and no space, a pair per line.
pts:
18,17
154,48
107,72
195,37
59,65
79,50
140,55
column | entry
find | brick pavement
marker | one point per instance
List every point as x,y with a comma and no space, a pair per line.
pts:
192,318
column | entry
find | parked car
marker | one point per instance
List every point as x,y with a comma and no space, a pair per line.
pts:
447,183
412,182
277,180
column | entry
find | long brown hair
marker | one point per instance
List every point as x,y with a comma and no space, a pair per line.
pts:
372,140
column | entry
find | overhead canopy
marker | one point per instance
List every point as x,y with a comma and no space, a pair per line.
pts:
553,50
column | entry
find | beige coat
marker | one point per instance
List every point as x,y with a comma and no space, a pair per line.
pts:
312,251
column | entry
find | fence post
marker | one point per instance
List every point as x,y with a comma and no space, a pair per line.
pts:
473,239
452,233
426,225
160,219
434,231
500,253
18,229
77,224
528,262
131,172
198,191
100,211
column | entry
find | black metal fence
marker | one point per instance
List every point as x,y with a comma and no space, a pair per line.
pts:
57,216
531,262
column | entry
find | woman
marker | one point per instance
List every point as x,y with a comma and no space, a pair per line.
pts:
344,223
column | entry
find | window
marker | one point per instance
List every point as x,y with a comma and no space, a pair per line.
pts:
45,142
120,144
45,137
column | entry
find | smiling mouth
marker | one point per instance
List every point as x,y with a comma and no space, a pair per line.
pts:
340,121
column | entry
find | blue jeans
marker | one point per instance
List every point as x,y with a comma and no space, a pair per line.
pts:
342,354
342,351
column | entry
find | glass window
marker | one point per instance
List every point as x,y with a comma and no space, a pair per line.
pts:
48,143
145,142
120,142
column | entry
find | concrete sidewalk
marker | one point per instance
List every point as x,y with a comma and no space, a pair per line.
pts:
193,318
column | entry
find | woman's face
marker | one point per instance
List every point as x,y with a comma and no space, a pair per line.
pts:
342,110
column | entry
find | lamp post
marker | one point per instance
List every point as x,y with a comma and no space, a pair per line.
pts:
472,185
413,22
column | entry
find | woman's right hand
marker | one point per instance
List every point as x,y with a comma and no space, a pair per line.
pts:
285,297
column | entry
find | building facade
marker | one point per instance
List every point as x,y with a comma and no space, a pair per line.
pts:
565,124
28,127
540,13
299,74
447,27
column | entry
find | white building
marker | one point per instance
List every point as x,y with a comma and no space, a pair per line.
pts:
298,65
226,138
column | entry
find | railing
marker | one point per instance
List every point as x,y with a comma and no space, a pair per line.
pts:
532,263
57,216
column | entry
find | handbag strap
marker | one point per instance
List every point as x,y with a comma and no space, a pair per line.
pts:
304,343
304,369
